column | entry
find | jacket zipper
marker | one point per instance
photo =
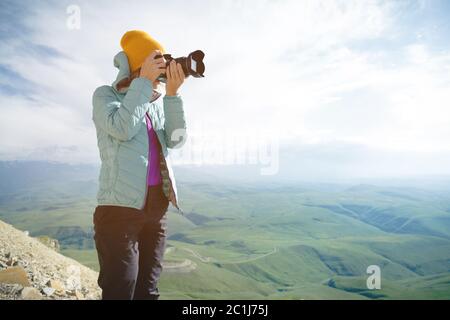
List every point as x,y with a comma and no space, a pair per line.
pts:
148,164
146,191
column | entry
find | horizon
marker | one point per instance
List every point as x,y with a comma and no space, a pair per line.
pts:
235,175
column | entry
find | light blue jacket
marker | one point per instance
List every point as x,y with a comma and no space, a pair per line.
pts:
122,137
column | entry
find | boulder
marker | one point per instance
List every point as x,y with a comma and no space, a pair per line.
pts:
48,291
57,286
15,275
30,293
79,295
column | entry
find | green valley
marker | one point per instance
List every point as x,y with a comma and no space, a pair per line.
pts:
266,241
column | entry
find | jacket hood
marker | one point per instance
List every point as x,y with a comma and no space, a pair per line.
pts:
121,63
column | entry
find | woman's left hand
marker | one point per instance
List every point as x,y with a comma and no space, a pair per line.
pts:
175,78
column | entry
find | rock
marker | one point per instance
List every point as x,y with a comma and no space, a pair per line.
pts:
79,295
49,242
30,293
53,275
13,261
48,291
57,286
73,281
42,282
15,275
10,290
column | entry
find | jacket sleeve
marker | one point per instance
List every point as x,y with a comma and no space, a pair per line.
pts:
175,123
122,120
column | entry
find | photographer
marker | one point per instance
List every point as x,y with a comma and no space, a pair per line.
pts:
135,126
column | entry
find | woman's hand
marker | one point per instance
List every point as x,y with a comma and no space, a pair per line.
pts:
152,68
175,78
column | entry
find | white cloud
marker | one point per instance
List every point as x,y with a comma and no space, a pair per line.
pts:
304,70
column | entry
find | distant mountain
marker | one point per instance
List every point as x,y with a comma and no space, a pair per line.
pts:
15,175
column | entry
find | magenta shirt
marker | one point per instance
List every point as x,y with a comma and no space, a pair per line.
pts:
153,170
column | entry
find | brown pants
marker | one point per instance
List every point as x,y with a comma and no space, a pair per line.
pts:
130,246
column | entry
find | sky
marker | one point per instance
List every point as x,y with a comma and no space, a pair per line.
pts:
338,87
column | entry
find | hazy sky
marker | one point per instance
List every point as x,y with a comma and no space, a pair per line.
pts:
317,75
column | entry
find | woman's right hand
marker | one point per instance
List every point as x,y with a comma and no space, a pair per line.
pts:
152,68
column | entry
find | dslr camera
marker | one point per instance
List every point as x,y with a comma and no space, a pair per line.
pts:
192,64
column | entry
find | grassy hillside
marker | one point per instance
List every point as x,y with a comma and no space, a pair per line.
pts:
429,287
268,241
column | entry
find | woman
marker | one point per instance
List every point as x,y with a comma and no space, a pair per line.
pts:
135,126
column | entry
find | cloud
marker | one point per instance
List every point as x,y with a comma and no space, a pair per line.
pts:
312,72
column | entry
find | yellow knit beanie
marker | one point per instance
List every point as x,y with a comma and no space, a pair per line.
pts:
137,45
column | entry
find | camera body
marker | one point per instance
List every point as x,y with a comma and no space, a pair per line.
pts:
192,64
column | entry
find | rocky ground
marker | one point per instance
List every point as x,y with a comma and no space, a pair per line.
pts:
30,269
